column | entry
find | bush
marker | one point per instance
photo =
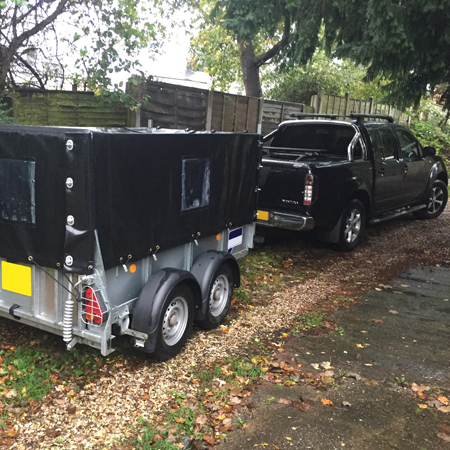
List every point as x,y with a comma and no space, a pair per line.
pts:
426,127
5,114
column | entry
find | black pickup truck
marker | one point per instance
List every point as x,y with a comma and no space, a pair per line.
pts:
333,176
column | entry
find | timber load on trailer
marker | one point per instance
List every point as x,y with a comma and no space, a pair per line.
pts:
123,231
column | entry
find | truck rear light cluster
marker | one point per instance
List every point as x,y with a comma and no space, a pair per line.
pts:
94,310
307,198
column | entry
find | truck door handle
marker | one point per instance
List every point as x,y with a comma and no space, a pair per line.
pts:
405,168
381,171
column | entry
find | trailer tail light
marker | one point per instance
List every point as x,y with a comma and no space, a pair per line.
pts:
309,181
93,307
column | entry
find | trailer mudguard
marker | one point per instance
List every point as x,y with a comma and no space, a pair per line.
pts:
203,270
147,313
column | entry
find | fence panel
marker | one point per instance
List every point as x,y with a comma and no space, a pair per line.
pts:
66,108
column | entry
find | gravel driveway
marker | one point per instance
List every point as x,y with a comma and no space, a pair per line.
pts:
107,409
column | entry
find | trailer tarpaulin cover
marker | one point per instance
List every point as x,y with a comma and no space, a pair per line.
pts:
139,190
161,190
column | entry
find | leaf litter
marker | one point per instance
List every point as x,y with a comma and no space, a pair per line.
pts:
304,278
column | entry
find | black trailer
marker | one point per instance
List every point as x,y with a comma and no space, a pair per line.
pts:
123,231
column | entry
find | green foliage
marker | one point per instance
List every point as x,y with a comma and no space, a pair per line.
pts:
336,77
5,115
427,127
406,42
308,321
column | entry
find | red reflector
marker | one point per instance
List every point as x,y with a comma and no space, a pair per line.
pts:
93,310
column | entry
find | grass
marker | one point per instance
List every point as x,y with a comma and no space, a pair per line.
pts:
308,321
261,269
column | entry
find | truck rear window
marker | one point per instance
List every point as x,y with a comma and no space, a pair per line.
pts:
17,191
330,138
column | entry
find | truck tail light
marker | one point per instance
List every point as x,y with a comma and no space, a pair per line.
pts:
309,181
93,311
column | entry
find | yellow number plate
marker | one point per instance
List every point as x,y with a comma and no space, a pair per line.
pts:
262,215
16,278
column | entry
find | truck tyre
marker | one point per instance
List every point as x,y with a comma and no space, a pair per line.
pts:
353,221
436,201
175,323
219,298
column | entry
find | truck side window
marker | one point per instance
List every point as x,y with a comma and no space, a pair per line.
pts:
409,148
388,144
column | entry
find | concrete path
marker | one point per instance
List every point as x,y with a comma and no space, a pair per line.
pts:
404,332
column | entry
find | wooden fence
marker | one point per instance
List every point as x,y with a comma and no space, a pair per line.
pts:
335,104
174,106
66,108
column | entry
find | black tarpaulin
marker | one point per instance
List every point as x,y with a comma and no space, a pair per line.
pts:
139,190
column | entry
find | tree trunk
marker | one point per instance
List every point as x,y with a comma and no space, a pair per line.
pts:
5,63
250,70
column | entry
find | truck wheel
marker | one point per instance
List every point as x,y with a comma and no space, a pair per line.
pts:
436,201
353,221
175,323
219,298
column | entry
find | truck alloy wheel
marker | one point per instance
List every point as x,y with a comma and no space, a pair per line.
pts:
175,323
353,220
436,201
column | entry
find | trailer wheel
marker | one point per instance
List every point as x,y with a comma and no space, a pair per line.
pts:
219,298
175,323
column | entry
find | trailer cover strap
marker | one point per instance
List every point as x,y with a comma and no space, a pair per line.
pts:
11,311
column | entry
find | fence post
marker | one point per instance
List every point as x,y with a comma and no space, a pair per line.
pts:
370,105
260,115
318,105
347,103
209,108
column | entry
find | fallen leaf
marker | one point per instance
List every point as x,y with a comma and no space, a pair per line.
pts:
443,399
326,365
393,311
201,419
284,401
368,365
281,350
364,331
360,345
180,420
209,439
444,437
422,406
71,409
288,438
433,403
326,401
372,383
315,366
234,401
11,394
421,395
303,406
444,409
377,321
344,403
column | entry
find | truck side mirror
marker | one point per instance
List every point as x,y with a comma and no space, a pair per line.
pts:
429,151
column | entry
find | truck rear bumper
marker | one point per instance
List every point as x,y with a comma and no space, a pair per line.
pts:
284,220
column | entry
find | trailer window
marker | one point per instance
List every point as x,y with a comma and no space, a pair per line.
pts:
17,191
195,183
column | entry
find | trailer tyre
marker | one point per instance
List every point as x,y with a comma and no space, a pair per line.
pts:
175,323
219,298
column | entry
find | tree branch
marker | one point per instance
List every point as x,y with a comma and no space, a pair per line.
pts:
261,59
15,44
33,71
